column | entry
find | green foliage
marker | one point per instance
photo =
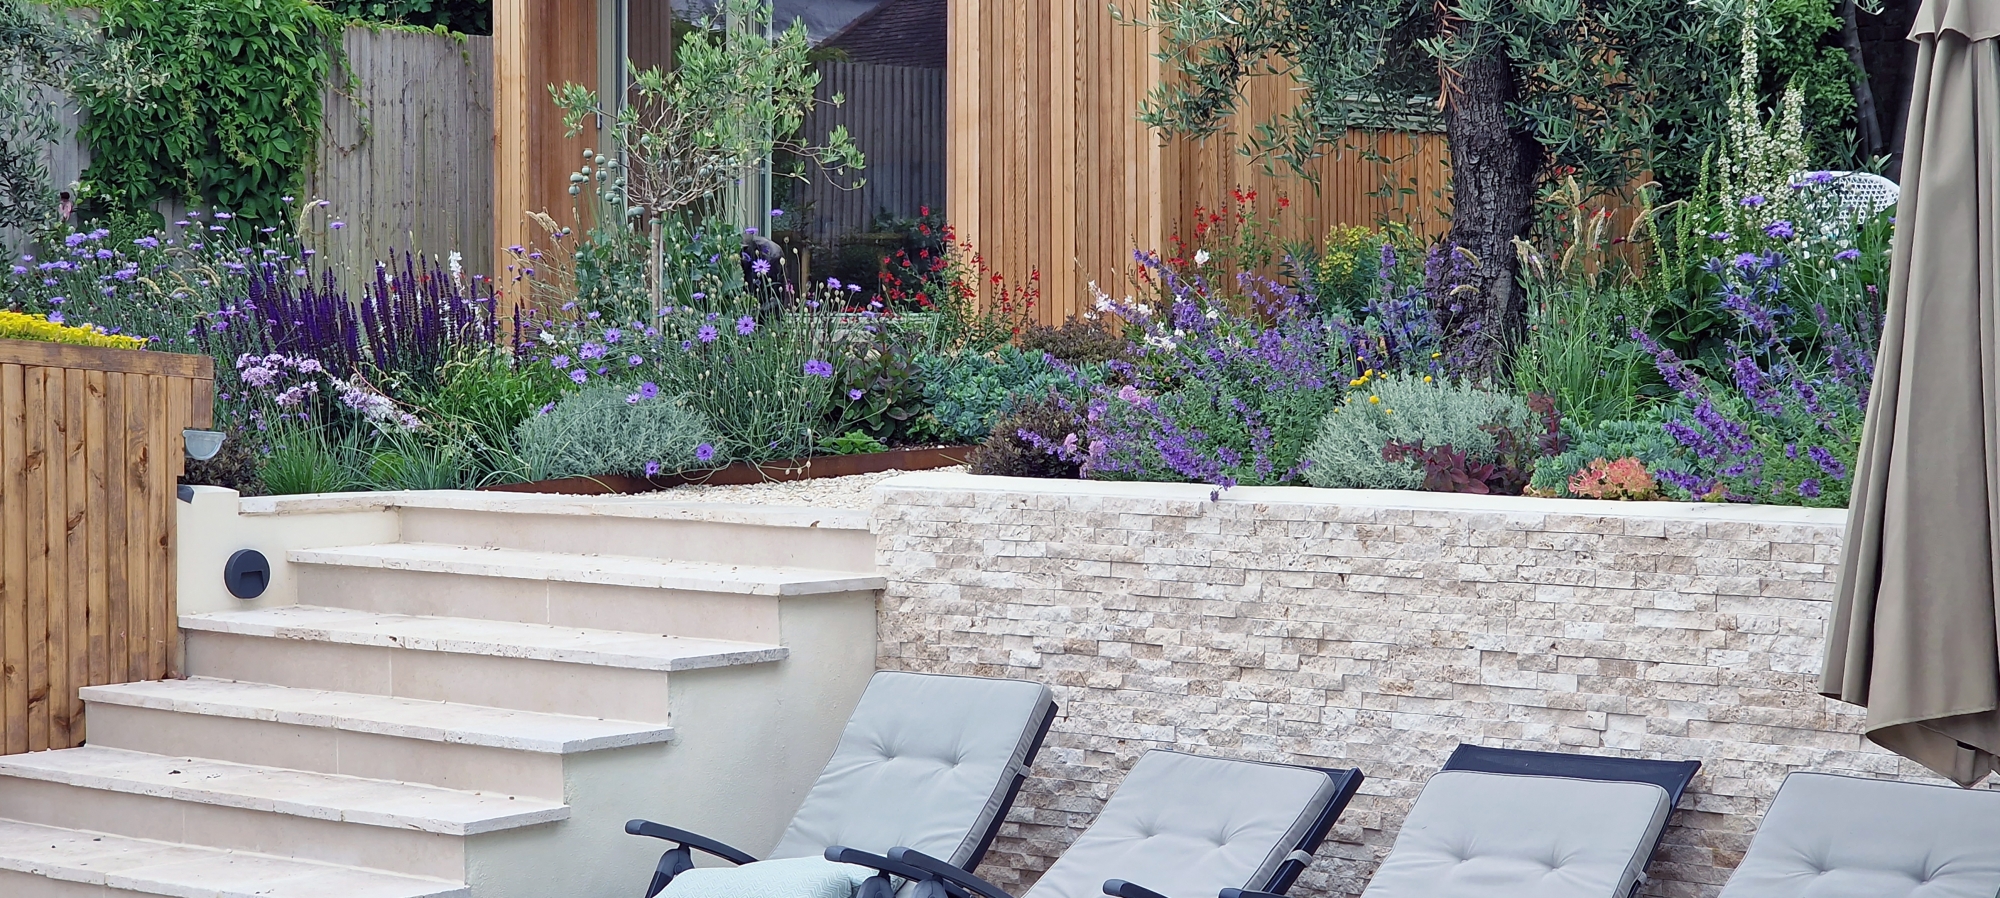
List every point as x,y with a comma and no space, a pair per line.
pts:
43,54
1427,412
1007,453
306,460
877,378
234,119
853,442
1605,88
605,428
1609,440
1801,48
480,401
970,393
463,16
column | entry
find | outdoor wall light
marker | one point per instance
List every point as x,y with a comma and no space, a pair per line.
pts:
247,574
202,444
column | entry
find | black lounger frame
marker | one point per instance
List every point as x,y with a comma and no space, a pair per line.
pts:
935,876
681,856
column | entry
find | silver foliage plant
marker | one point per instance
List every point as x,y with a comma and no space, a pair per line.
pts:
1403,409
606,428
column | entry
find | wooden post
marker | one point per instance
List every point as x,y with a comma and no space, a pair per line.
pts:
536,44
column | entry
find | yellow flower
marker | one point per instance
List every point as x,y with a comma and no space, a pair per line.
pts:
17,326
1437,355
1375,400
1427,378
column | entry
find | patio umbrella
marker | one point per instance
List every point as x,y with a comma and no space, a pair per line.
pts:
1915,632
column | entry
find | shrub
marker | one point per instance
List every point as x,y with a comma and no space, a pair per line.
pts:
1406,410
1625,479
1212,393
50,329
235,466
606,428
969,393
1076,341
1015,448
1640,439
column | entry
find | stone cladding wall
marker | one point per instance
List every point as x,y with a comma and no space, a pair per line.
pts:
1379,630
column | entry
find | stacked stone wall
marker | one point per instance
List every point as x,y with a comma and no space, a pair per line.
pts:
1377,630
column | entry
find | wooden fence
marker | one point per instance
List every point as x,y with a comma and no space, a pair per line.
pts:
406,159
895,115
405,154
1050,170
90,447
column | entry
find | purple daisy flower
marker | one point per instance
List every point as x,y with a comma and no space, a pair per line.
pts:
855,394
746,325
818,368
706,334
704,453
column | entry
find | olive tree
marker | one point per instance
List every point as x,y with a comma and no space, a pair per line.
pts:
1605,89
734,99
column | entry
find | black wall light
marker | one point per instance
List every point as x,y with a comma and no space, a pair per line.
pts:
247,574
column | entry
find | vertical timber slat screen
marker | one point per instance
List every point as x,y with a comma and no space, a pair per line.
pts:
895,115
406,159
90,450
1050,170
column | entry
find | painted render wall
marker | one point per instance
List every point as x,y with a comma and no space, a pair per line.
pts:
1379,630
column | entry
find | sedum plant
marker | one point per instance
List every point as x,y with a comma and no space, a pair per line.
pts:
1407,411
607,428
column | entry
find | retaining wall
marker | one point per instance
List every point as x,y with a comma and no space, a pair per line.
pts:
1379,630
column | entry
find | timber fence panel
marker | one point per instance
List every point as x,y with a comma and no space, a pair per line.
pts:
90,451
406,151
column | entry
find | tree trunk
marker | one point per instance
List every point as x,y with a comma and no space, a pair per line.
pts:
1865,117
1493,170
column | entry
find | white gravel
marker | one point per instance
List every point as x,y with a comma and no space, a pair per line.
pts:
823,492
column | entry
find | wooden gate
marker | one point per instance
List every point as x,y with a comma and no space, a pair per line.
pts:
90,447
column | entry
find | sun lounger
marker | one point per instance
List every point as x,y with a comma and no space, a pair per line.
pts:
1179,825
1829,836
931,761
1496,823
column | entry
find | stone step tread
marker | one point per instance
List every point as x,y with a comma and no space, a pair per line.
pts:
299,793
644,506
406,718
610,570
470,636
147,867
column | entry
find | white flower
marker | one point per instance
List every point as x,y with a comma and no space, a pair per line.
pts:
458,268
1201,257
1212,314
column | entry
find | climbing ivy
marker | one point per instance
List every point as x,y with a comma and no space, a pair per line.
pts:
234,118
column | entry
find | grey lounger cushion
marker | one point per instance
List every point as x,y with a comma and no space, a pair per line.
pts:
1494,835
1189,827
1844,837
926,762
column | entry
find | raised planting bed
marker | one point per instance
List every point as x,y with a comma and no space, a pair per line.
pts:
752,472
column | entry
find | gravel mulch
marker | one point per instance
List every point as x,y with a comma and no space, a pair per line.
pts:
823,492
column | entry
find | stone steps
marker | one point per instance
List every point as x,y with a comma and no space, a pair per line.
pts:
379,824
51,862
760,535
444,744
472,707
621,592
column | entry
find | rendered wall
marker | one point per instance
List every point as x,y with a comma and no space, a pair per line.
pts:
1379,630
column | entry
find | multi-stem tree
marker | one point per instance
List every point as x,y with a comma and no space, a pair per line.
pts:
1603,89
735,96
